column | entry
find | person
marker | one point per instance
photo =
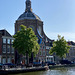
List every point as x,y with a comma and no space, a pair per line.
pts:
42,64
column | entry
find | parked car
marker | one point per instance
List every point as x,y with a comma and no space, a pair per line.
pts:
65,62
50,63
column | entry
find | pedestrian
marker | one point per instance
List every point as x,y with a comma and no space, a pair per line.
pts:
42,64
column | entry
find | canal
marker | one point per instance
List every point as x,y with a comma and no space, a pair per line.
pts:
58,71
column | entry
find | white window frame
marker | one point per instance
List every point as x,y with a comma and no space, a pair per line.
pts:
4,60
12,50
4,40
8,60
12,41
7,48
4,51
8,41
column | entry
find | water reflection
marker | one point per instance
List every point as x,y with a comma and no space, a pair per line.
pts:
58,71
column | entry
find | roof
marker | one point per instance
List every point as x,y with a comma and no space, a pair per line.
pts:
71,43
5,33
28,15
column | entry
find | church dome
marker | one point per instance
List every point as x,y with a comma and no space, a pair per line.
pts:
28,14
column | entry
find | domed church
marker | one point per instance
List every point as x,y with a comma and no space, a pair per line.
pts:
30,19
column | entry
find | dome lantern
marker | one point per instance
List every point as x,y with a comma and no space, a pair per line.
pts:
28,6
28,14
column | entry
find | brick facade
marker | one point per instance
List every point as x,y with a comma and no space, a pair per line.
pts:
7,54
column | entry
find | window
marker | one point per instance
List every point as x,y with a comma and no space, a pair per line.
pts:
40,29
12,41
12,57
8,49
8,60
4,49
8,41
0,58
40,53
40,47
47,52
51,59
42,42
32,27
43,47
4,40
12,50
4,60
43,53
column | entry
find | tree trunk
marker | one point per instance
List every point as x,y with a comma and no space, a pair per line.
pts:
61,58
27,59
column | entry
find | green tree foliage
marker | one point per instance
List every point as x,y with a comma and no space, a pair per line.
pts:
26,41
60,47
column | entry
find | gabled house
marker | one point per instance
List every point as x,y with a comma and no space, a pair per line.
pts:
7,54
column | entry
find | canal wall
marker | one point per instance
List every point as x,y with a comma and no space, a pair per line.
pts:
60,66
7,72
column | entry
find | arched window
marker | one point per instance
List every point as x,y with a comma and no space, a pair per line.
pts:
40,30
31,26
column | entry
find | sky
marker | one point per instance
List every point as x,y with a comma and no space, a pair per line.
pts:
58,16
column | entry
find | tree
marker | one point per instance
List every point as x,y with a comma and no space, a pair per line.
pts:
26,42
60,47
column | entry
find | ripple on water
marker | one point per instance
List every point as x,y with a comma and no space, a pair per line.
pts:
60,71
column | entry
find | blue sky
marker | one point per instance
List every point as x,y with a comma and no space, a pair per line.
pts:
58,16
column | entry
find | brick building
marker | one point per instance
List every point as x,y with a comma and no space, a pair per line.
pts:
30,19
7,54
71,55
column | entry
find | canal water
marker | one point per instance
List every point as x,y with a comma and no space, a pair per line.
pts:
58,71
